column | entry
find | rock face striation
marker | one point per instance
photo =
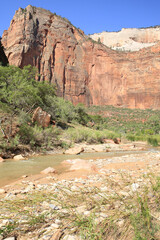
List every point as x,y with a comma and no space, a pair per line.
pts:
82,70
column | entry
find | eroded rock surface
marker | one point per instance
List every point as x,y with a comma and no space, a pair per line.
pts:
129,39
83,71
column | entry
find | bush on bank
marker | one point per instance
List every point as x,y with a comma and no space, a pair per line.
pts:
20,94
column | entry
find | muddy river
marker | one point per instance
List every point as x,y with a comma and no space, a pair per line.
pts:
12,170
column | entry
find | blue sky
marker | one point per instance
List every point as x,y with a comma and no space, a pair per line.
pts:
92,16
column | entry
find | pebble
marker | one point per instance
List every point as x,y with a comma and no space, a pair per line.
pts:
2,191
57,221
134,187
87,213
27,189
51,178
123,193
81,209
24,176
103,215
120,223
10,238
104,189
15,192
139,180
54,225
75,189
71,237
5,222
9,196
45,204
98,220
54,207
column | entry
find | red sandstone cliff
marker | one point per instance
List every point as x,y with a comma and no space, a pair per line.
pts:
82,70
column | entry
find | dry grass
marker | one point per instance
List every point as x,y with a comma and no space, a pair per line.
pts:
108,211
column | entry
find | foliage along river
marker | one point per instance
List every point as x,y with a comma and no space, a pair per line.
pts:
12,170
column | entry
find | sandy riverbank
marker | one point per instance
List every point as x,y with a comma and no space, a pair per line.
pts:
47,206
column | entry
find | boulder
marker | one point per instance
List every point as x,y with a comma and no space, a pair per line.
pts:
75,151
117,140
41,117
78,164
96,148
48,170
18,157
1,160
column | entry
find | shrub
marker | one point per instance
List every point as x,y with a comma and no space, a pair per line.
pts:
97,119
24,118
81,134
81,115
152,141
26,134
38,137
64,110
130,137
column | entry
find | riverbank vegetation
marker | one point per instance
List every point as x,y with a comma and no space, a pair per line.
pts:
21,94
132,124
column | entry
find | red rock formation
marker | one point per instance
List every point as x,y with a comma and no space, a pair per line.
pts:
82,70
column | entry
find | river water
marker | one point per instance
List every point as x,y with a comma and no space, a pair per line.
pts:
12,170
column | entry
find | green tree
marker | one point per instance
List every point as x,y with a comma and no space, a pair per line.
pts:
20,91
154,123
65,111
81,116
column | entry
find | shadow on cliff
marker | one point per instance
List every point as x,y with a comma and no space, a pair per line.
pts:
3,58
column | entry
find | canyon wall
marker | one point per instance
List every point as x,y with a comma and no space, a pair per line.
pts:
82,70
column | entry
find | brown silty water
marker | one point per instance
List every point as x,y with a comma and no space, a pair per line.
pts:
11,170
